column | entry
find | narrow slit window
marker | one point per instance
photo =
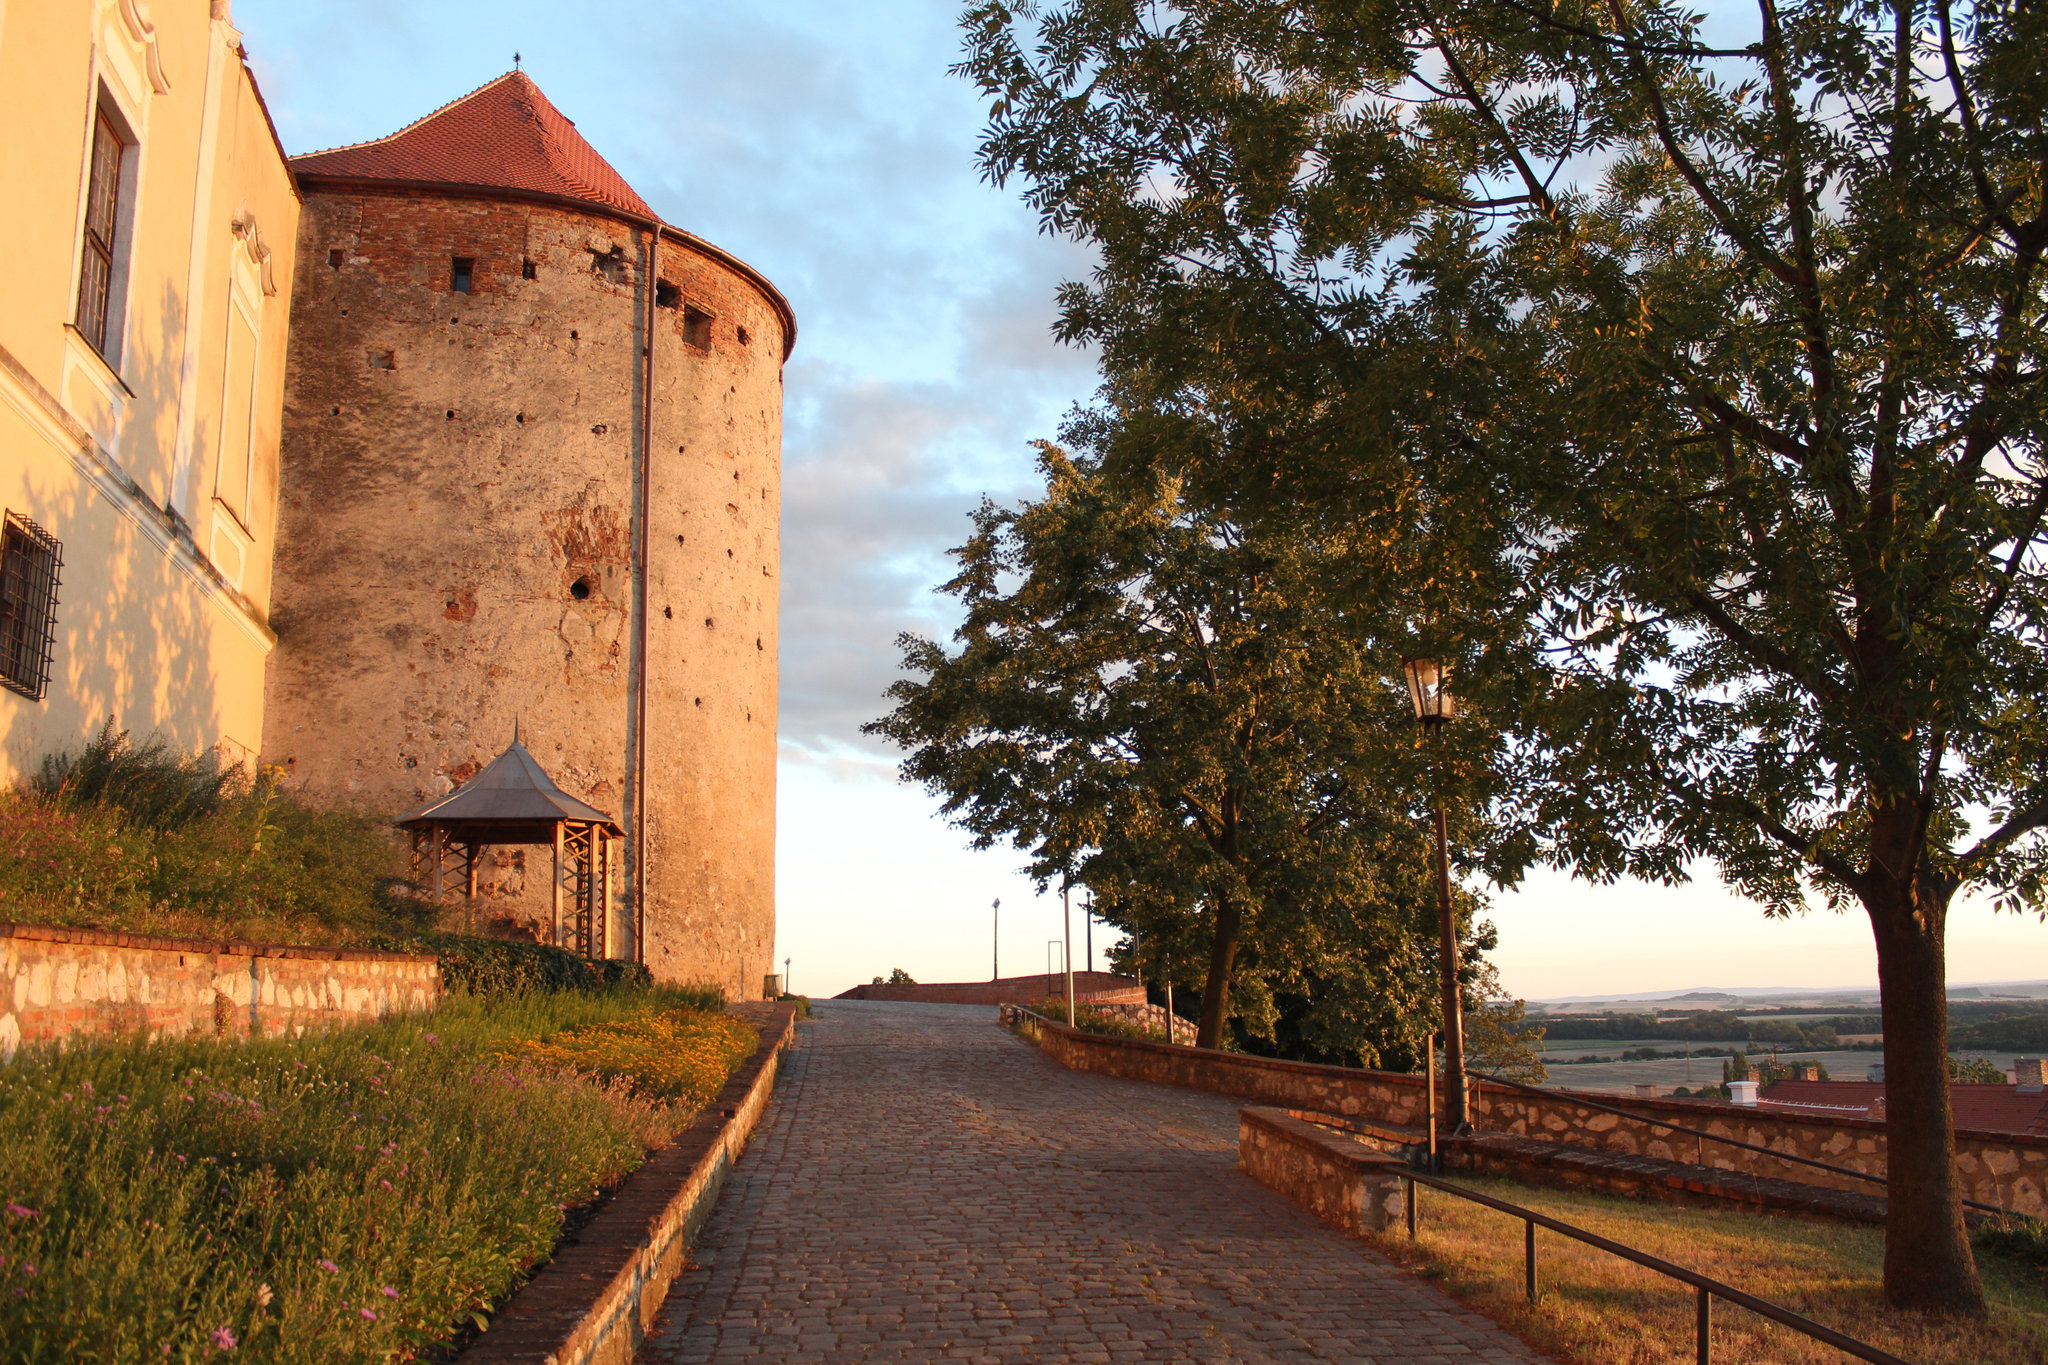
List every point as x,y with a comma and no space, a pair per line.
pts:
102,216
335,256
528,271
30,563
460,272
697,328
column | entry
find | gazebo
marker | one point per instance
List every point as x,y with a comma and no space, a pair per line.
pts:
514,801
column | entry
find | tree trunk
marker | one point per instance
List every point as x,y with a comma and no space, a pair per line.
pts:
1216,990
1927,1260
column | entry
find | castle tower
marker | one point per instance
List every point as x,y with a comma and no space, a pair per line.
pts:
531,472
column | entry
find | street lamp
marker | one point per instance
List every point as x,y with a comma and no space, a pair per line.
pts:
1428,689
995,964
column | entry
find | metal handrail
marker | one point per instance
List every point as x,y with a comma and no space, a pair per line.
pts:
1575,1097
1707,1287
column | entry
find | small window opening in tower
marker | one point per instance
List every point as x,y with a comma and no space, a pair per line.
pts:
741,333
580,589
667,295
460,271
697,328
335,256
528,271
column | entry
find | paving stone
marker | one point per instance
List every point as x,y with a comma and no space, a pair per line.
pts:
927,1187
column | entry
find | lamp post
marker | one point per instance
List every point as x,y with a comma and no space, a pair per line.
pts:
1067,928
1434,708
995,954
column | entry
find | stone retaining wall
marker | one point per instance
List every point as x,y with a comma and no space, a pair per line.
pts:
1339,1179
2006,1170
83,983
1092,987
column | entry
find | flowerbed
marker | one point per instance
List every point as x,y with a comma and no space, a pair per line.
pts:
366,1195
682,1056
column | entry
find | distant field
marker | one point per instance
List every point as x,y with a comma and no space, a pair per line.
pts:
1668,1073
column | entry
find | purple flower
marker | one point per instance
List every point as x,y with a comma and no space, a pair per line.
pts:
389,1292
369,1314
330,1267
223,1339
21,1211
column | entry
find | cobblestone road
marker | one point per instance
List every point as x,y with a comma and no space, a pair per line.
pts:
928,1188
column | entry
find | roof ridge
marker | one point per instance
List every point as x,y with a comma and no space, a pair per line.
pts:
432,114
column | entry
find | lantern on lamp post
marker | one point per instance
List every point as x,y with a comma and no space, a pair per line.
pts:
1434,708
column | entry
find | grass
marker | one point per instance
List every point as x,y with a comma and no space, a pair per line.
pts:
141,838
1596,1309
362,1195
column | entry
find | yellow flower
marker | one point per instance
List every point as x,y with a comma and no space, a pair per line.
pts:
682,1056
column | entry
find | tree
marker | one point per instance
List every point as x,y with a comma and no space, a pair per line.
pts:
1157,704
1736,351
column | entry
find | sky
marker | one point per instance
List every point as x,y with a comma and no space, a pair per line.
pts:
825,144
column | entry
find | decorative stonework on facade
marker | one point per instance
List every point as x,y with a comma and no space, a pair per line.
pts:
58,984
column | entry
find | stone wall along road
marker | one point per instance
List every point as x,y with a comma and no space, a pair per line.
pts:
929,1188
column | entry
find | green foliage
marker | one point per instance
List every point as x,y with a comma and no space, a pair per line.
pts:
1154,702
2016,1236
1097,1021
1976,1070
1500,1041
498,967
898,977
356,1196
257,865
1699,393
1705,1026
150,786
2010,1033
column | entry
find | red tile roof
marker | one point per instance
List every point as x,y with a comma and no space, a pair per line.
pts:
505,135
1978,1107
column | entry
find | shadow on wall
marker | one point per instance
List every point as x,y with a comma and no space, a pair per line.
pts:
134,634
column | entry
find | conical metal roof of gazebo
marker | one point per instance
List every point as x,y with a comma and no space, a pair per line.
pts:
512,801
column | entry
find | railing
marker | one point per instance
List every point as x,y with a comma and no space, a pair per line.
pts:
1706,1287
1575,1097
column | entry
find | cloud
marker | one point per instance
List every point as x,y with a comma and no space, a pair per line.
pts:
824,144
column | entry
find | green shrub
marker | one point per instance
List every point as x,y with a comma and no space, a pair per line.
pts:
1095,1021
151,786
489,966
356,1196
2017,1237
138,839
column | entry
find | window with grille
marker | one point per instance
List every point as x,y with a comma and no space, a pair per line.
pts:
102,215
30,559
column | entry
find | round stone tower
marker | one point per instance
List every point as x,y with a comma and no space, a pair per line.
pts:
531,473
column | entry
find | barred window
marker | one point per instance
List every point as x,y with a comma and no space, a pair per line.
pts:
30,560
102,214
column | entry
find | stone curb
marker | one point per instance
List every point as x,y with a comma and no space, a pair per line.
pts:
595,1302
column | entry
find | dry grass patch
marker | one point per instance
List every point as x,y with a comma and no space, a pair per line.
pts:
1596,1309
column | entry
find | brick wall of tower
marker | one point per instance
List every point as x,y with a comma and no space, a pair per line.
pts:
461,480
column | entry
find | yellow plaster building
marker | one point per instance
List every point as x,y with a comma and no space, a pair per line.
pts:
147,221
